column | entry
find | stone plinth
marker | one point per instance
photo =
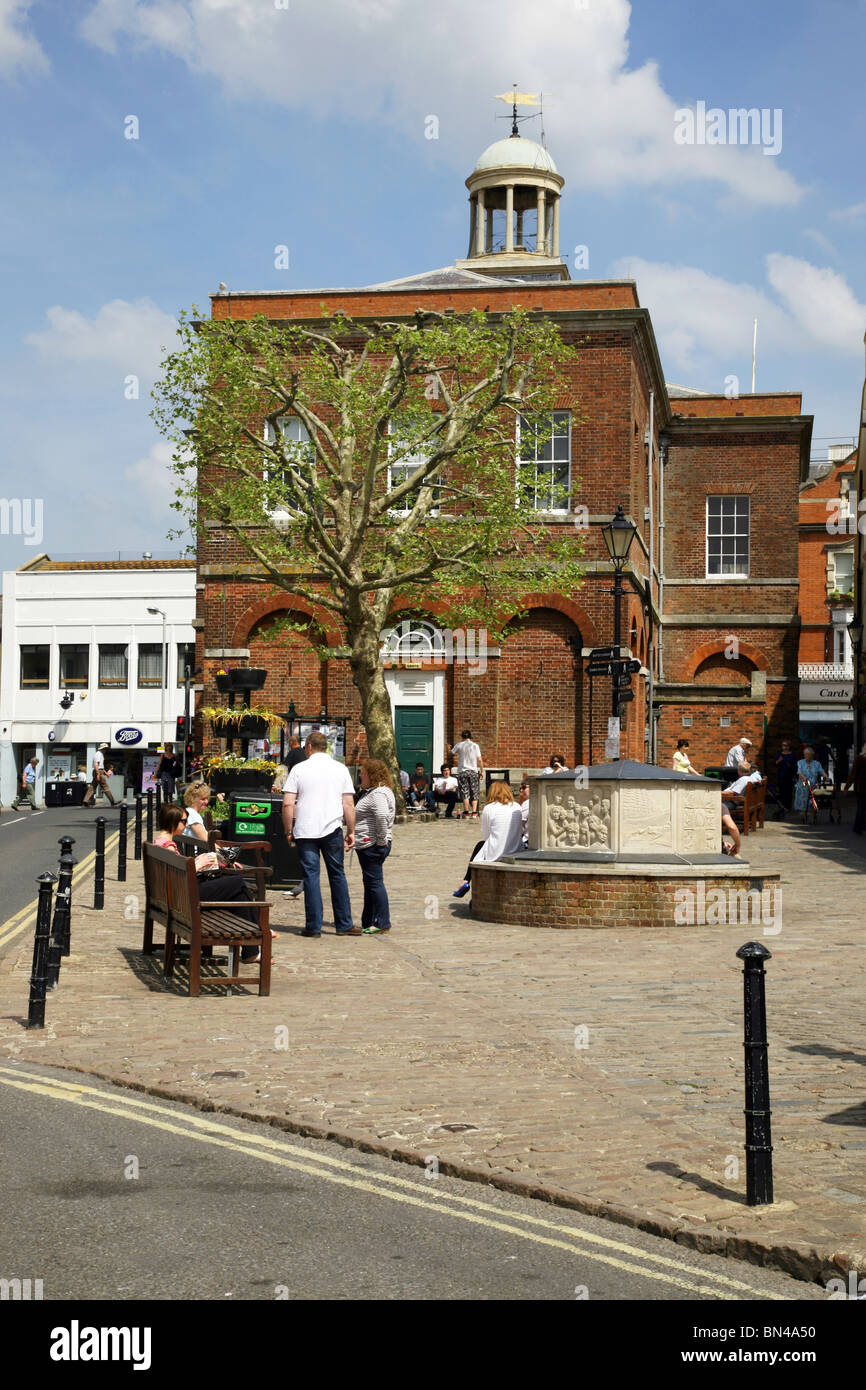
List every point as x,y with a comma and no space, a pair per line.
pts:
626,808
626,845
569,895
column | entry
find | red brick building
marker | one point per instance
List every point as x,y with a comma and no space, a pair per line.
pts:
710,606
828,534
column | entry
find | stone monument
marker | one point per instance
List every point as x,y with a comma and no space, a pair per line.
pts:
616,845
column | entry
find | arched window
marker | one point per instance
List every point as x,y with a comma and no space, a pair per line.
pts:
413,639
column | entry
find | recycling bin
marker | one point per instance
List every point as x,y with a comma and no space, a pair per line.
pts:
66,793
254,817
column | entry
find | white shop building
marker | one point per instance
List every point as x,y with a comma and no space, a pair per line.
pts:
80,632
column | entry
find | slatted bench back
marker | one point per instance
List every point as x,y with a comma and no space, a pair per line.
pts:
156,866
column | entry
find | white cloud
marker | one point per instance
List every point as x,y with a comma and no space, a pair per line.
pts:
153,484
821,240
852,214
820,301
128,336
704,322
393,62
20,51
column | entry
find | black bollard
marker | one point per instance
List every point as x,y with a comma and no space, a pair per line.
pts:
150,814
66,863
99,868
39,973
138,813
59,945
121,844
759,1149
158,797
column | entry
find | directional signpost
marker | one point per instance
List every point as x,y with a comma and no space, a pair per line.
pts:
606,661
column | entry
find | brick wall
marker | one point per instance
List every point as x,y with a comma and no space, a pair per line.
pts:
575,901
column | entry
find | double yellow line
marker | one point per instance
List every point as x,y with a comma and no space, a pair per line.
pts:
587,1245
25,918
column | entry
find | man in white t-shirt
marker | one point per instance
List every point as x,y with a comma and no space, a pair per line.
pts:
318,796
470,766
445,789
99,778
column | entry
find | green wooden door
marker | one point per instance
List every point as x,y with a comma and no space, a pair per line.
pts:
413,728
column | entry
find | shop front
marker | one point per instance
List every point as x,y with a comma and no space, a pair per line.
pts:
826,716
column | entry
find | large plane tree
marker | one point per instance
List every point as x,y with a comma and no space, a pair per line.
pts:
359,464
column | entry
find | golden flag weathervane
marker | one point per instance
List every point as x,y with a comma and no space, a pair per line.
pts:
515,99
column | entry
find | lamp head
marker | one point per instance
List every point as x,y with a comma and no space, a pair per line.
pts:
618,535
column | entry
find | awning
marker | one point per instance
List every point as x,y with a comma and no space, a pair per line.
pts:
826,716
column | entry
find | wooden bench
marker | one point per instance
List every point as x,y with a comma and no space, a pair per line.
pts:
749,806
259,871
172,901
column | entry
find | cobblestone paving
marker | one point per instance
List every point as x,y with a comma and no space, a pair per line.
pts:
456,1038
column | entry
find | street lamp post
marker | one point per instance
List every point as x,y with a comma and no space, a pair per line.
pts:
163,669
618,535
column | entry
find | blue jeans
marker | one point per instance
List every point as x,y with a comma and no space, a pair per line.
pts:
331,849
376,911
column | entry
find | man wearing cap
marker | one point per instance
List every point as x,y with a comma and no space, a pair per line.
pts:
99,777
738,757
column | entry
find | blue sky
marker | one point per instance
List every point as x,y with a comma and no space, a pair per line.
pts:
302,122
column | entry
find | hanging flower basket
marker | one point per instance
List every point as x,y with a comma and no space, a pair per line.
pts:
243,722
232,773
223,681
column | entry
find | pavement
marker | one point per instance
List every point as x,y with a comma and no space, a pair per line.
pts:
599,1070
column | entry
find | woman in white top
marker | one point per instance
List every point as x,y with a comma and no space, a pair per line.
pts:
374,824
502,825
196,798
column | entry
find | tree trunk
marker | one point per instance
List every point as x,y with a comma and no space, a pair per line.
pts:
368,678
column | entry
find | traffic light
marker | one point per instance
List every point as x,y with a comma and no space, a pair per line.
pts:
179,736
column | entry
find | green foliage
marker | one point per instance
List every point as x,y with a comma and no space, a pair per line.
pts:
429,407
234,762
228,716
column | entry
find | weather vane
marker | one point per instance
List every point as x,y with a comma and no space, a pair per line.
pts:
515,99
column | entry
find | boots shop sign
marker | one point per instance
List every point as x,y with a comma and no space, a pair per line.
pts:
126,737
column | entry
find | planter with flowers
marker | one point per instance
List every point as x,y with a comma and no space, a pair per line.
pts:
230,772
242,722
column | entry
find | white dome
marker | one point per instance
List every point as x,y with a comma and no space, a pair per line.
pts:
515,152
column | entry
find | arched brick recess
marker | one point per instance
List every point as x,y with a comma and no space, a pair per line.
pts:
579,617
544,692
718,670
295,670
711,649
326,623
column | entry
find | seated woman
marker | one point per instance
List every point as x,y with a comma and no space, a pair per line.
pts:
226,888
557,764
196,799
502,827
